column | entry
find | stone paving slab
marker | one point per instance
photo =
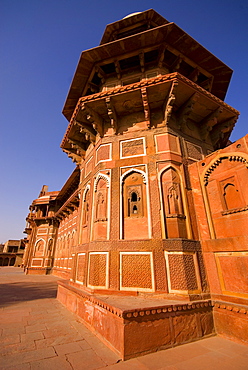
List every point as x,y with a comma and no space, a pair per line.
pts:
37,332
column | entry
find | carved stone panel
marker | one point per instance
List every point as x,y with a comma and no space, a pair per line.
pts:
37,262
193,151
232,269
132,148
103,153
80,268
136,271
167,143
98,270
183,272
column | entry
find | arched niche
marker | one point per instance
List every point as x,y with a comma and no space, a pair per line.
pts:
172,203
135,218
231,195
39,248
101,208
86,207
50,247
225,193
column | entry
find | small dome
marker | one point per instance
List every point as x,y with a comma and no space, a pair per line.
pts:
130,15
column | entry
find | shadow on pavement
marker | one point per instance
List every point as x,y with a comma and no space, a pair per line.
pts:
20,291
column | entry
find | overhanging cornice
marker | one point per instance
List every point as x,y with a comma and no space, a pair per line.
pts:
169,34
207,111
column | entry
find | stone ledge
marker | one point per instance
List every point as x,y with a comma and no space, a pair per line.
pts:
133,326
135,312
234,210
231,307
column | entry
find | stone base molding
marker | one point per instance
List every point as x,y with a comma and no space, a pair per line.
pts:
134,326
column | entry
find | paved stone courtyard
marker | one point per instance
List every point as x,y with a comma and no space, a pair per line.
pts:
37,332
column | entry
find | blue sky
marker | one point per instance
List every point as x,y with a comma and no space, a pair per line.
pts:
40,44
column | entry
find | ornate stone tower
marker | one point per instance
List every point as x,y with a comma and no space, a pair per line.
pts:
142,106
151,210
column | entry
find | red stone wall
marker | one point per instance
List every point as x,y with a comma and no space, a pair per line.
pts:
135,196
66,241
222,212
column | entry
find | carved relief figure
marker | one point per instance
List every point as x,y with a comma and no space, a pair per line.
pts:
172,204
50,246
39,248
101,209
171,192
86,207
174,199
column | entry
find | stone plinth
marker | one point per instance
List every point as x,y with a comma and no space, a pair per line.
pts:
132,326
38,271
231,321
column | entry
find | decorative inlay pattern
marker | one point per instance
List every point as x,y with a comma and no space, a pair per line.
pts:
230,307
231,158
101,176
158,310
182,272
194,151
136,271
132,148
234,210
80,273
97,269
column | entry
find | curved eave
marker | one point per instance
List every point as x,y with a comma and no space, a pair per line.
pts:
169,34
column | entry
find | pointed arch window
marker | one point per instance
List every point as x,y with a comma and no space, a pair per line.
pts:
134,203
230,193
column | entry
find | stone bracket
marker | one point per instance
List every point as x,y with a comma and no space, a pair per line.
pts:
168,106
112,114
87,132
77,146
94,118
186,109
118,69
176,65
161,56
142,61
146,105
75,157
219,131
206,125
194,75
100,74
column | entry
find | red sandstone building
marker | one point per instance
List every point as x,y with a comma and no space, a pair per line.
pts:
150,230
11,253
